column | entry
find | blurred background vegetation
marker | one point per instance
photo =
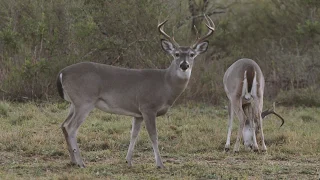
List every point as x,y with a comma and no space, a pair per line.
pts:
38,38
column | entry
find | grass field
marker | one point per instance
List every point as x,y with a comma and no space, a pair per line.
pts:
191,142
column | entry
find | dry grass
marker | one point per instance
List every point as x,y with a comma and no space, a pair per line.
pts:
191,139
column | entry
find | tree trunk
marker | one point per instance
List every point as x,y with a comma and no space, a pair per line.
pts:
197,8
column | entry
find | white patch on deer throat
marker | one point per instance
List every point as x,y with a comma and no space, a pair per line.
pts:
184,74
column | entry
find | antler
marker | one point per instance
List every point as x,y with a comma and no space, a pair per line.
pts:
211,28
171,39
267,112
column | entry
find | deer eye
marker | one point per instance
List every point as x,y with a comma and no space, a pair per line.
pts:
191,54
177,54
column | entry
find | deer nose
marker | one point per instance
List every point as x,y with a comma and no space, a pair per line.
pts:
184,65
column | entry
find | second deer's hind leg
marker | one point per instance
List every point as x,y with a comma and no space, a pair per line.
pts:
252,119
237,107
231,114
264,147
260,121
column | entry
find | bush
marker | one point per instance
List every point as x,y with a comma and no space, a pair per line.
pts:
39,38
4,109
30,80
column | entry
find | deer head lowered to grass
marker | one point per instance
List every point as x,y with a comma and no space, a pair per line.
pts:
244,85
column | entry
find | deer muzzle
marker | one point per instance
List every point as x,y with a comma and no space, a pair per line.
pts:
184,65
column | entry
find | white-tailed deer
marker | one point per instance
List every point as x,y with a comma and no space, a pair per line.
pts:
143,94
244,85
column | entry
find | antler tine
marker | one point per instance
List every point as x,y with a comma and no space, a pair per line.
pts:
161,31
173,36
171,39
267,112
197,34
210,25
209,20
279,117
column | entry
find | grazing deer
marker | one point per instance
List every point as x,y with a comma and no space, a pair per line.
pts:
244,85
143,94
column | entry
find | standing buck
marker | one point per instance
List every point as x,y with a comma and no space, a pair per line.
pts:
143,94
244,85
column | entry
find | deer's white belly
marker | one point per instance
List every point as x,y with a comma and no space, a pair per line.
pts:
114,109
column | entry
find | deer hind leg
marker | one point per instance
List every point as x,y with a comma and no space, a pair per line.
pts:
264,147
260,121
237,107
136,126
247,131
255,146
256,111
71,112
70,128
231,114
150,121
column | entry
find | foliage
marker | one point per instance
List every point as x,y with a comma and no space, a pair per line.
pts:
282,36
4,109
39,38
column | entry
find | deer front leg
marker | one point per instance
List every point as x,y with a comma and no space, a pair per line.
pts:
136,126
150,120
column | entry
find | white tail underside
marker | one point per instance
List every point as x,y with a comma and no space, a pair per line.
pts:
245,92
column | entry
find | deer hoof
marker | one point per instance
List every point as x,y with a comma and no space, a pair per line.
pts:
160,167
129,164
81,166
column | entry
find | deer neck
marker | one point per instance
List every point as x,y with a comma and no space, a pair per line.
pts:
177,79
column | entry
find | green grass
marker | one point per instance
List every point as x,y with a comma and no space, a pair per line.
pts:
191,138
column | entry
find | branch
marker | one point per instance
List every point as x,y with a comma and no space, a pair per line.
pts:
217,10
4,91
180,23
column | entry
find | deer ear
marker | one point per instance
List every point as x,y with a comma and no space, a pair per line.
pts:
167,46
202,47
